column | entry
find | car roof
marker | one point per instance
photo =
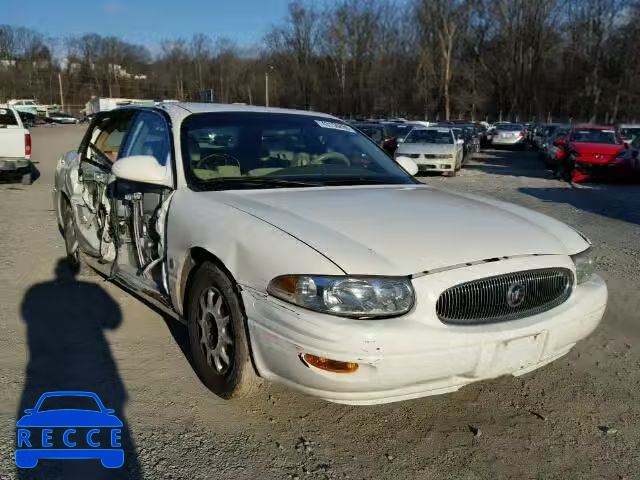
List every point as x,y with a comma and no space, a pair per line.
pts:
437,129
590,126
193,107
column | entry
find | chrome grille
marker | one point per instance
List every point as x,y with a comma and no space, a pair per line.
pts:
505,297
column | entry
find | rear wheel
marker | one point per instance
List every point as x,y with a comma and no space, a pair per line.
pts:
217,334
27,177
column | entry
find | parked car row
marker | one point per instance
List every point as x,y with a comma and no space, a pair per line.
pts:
588,152
441,147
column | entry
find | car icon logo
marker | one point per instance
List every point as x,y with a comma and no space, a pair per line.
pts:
52,430
516,294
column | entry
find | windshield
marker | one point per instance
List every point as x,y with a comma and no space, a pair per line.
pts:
630,132
560,132
509,127
375,133
429,136
593,135
398,131
271,150
7,117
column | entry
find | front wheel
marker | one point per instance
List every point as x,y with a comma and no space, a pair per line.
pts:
70,239
217,334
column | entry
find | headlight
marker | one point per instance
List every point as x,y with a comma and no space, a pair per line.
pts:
585,265
346,296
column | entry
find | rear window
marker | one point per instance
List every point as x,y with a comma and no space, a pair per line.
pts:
510,127
595,136
7,117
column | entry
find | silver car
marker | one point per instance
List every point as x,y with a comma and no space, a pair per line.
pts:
433,150
509,135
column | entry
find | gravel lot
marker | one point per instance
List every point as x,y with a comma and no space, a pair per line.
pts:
576,418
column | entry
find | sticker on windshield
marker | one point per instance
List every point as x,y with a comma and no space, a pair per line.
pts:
3,111
335,126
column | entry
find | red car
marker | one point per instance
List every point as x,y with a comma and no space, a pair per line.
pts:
592,151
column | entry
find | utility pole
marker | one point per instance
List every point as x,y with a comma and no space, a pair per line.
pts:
270,68
61,95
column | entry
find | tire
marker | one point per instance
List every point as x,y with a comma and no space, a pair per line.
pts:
71,240
27,177
218,335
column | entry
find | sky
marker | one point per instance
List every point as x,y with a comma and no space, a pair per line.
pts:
147,22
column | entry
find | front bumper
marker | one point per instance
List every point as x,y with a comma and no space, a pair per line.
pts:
13,164
598,167
435,164
414,355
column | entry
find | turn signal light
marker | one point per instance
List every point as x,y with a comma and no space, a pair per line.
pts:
334,366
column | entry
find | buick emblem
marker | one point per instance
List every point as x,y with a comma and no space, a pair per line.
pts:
516,294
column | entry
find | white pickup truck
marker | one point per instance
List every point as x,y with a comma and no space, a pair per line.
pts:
15,146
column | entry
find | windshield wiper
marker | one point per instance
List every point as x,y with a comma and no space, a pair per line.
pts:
356,181
258,181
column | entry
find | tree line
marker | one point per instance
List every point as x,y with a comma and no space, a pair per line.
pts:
428,59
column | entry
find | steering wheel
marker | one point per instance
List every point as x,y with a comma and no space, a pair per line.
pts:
333,158
210,161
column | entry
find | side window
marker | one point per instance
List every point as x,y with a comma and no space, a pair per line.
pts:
7,118
149,136
108,135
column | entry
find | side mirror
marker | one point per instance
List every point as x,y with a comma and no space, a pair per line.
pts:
460,141
143,169
559,142
29,411
626,145
409,165
109,411
400,140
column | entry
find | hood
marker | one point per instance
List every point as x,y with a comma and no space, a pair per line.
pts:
404,229
425,148
597,148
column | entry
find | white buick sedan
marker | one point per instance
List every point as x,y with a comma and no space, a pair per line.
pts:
295,250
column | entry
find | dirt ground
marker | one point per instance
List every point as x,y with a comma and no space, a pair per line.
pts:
576,418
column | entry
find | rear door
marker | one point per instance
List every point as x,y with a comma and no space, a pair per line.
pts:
12,134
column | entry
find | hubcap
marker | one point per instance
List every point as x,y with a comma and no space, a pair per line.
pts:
216,340
70,239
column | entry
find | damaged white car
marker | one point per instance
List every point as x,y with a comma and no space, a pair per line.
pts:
297,251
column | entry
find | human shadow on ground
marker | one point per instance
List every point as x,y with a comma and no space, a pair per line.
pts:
66,321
